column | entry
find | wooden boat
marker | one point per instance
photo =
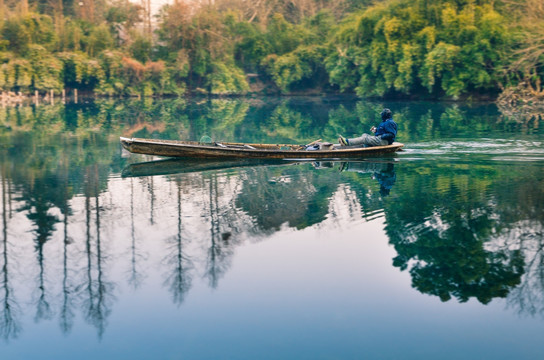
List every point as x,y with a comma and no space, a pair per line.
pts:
193,149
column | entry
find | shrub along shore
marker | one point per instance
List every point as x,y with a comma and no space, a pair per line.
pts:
413,49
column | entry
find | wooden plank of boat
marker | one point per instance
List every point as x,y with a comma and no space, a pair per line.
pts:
193,149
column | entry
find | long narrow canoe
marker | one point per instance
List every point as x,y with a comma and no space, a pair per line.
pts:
193,149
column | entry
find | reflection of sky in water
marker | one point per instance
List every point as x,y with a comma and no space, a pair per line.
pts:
326,291
275,261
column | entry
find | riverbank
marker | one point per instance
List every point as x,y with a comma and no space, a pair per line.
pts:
522,102
256,91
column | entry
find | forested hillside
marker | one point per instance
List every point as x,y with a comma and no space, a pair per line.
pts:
403,48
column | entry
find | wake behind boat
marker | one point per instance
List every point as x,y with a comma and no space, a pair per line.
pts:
194,149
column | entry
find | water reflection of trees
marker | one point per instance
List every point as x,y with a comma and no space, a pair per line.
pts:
469,247
9,324
450,231
278,195
450,242
179,279
528,297
135,273
220,249
43,193
96,292
262,120
523,216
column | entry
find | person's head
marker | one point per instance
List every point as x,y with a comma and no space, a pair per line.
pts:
386,114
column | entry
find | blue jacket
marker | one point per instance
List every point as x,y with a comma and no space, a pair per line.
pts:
387,130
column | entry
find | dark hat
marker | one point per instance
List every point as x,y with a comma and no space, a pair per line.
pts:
386,114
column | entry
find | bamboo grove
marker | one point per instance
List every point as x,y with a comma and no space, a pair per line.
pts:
452,49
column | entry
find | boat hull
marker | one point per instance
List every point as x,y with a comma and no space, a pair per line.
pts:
190,149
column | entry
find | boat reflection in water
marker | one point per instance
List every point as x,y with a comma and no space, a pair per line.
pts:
173,166
383,172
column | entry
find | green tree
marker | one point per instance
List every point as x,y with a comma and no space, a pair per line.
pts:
46,70
99,40
203,38
18,37
405,46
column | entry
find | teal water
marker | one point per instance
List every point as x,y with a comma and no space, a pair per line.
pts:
434,252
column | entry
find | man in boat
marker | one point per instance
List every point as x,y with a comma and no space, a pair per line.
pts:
384,134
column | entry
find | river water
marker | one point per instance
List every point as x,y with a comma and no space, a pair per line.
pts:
434,252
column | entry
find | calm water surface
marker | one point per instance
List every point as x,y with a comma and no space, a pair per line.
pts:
435,252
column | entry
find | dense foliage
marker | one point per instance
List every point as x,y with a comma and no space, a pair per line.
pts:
416,48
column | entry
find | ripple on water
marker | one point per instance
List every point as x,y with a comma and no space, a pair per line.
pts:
499,149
